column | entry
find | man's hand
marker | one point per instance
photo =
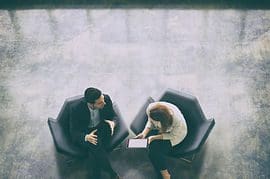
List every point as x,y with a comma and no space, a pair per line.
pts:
111,124
140,136
92,138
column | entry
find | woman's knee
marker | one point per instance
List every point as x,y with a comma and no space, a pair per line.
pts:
154,146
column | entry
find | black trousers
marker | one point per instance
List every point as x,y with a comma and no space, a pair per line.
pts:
99,152
158,150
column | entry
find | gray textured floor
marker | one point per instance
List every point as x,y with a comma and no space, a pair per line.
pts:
220,56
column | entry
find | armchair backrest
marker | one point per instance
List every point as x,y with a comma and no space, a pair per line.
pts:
188,105
63,116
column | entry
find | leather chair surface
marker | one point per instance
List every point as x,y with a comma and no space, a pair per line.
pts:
59,129
198,126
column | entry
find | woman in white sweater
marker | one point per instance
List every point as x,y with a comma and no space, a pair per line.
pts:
172,129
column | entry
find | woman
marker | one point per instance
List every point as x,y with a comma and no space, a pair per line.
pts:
172,129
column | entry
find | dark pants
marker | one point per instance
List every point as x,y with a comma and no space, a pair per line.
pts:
99,152
158,150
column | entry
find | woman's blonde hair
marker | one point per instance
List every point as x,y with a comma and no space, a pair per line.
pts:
162,114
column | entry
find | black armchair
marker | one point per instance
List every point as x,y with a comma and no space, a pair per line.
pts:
59,129
198,126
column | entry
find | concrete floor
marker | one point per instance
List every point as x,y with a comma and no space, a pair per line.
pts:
220,56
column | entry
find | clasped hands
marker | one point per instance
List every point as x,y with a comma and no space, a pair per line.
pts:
92,137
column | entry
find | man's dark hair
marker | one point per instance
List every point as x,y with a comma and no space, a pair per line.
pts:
92,94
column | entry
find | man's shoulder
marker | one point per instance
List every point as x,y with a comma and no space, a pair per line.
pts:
106,97
78,103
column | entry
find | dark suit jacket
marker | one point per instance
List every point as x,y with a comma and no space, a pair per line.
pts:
80,118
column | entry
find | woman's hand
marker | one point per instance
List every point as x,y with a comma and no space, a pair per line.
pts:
140,136
154,137
150,139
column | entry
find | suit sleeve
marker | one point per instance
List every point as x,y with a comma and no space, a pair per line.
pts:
109,113
77,130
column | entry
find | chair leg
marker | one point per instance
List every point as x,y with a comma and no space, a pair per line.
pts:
189,160
117,148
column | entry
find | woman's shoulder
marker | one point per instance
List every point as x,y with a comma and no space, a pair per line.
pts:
163,103
150,106
170,105
176,111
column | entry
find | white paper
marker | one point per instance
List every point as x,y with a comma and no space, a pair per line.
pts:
137,143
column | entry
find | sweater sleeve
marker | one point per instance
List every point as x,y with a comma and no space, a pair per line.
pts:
169,135
178,131
149,124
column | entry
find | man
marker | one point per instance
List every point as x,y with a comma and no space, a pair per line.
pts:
91,127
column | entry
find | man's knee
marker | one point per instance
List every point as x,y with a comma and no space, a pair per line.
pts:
104,129
104,125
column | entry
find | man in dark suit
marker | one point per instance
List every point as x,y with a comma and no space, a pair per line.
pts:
91,127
